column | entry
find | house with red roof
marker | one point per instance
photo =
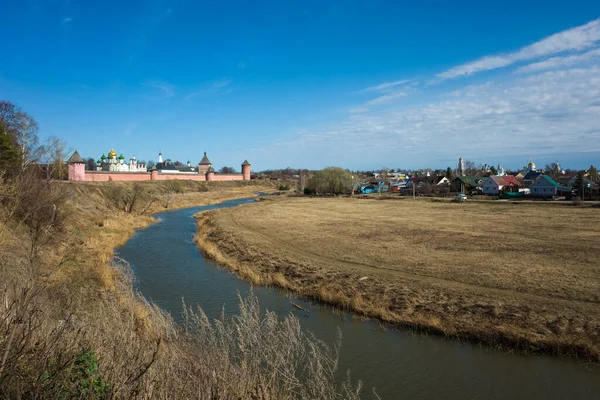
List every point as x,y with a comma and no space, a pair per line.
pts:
494,185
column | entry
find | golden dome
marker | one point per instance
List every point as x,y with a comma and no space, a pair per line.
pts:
112,153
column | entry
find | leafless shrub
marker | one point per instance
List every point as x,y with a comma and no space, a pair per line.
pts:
256,355
169,190
131,198
138,351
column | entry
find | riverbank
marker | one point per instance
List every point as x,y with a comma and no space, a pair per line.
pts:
509,276
72,324
97,214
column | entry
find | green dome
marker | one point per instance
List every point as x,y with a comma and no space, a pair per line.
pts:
121,157
103,157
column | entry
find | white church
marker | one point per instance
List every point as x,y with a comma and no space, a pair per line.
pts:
112,163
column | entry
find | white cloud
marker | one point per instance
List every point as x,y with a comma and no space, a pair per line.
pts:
546,113
66,20
221,83
386,98
561,62
358,110
574,39
385,85
553,109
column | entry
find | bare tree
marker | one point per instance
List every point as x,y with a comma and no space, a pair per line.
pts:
303,177
169,191
90,164
54,153
227,170
23,130
471,169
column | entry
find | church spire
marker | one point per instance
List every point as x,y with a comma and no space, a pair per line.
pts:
460,169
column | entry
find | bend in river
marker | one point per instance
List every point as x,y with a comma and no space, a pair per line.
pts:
169,267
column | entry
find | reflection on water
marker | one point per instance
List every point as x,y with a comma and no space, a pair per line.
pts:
168,267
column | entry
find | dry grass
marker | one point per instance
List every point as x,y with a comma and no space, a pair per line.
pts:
71,325
514,275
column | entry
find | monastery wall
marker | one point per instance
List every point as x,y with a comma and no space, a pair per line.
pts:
228,177
102,176
179,177
205,171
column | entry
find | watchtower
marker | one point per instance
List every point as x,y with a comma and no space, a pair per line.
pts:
246,170
204,165
76,167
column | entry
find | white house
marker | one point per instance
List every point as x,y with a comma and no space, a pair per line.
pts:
493,185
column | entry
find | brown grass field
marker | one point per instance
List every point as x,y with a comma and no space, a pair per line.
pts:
523,276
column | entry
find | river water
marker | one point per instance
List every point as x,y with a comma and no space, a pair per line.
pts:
399,364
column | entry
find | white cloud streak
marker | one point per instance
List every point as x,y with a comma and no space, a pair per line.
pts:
550,107
542,114
574,39
561,62
386,98
386,85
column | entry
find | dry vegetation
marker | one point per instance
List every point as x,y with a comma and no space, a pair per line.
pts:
71,325
521,276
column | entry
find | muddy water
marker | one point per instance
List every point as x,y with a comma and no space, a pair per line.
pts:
400,365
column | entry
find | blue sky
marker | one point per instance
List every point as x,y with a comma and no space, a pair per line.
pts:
311,83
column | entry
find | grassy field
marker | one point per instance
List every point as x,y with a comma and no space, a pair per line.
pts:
513,275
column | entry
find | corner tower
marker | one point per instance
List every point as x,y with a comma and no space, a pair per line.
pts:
204,165
246,170
76,167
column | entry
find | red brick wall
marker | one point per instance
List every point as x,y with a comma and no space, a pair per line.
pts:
99,176
228,177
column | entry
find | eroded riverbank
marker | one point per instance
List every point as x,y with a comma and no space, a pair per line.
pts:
441,268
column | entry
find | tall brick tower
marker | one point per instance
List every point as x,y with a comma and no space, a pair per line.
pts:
204,165
246,170
76,167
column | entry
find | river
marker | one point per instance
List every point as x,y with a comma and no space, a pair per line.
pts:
399,364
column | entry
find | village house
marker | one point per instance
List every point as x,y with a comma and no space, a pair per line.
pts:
519,175
546,187
494,185
466,184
